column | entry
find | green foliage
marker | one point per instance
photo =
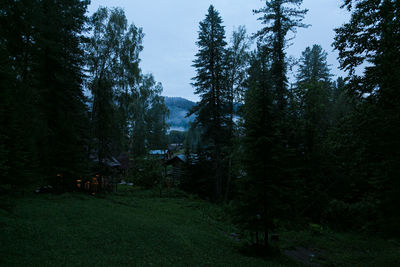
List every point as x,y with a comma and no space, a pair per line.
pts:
128,112
311,107
147,172
211,111
372,37
279,17
270,162
43,115
256,187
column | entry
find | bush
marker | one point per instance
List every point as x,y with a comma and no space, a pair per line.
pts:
351,216
146,172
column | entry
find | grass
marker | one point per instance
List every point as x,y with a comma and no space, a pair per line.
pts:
138,228
344,249
131,228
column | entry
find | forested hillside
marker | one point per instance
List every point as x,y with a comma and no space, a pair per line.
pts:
178,109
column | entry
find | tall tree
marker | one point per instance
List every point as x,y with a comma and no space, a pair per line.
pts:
236,60
280,19
257,199
314,93
128,79
43,65
107,28
372,39
209,83
113,62
61,77
269,154
148,125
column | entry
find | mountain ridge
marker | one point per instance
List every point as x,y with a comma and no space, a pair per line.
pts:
178,109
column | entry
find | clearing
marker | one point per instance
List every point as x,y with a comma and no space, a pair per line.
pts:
135,227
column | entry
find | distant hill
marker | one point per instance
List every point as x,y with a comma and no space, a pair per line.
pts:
178,108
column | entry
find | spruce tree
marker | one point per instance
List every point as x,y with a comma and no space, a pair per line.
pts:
313,92
209,84
45,115
60,63
270,168
256,203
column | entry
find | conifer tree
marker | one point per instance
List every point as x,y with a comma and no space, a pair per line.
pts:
209,83
372,37
269,165
45,117
257,201
60,71
280,18
314,93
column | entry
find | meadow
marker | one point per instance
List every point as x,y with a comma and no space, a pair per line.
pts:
138,228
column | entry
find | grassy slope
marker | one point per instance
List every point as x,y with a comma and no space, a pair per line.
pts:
138,228
124,229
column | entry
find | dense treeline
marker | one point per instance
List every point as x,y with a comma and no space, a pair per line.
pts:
43,112
72,93
316,150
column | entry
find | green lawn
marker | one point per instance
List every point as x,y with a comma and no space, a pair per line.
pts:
130,228
138,228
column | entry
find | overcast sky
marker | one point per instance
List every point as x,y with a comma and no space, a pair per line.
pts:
171,30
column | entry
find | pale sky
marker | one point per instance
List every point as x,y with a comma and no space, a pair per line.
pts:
171,30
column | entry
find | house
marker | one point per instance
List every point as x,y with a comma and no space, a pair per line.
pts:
178,165
161,154
109,161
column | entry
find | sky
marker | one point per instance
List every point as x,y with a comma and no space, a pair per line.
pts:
171,31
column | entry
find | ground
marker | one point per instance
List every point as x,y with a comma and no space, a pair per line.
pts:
139,228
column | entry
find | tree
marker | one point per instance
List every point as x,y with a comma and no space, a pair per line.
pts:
372,39
103,52
61,76
280,19
236,60
313,93
254,205
113,62
128,78
148,123
211,111
43,62
269,155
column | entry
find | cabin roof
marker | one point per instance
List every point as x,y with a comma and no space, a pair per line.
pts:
157,152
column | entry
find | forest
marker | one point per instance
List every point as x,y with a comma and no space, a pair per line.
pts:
274,152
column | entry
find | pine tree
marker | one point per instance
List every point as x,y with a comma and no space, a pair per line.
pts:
209,83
